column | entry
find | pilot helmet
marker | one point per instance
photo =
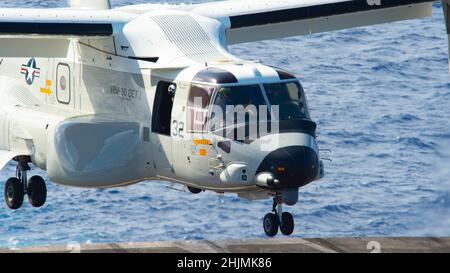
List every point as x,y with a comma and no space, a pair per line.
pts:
172,89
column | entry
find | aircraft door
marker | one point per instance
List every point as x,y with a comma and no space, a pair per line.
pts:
193,142
161,127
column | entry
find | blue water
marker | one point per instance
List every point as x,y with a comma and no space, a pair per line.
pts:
381,97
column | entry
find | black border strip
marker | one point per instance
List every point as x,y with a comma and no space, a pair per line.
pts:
295,14
215,75
77,29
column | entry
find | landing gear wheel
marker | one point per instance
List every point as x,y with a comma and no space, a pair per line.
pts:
37,191
194,190
14,193
271,223
287,224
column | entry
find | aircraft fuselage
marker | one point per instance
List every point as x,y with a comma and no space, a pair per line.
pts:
89,121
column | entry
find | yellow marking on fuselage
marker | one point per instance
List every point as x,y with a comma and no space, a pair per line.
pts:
202,142
203,152
47,89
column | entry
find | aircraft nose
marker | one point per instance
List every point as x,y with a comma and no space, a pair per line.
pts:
292,167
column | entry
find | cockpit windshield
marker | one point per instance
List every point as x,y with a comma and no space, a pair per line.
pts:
290,99
239,95
243,104
237,104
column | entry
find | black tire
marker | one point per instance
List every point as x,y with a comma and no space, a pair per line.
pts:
14,193
287,224
271,223
37,191
194,190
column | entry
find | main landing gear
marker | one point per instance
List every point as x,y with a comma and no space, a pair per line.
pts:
278,220
17,187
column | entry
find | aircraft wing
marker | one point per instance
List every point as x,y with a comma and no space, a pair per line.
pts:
47,32
59,23
244,20
255,20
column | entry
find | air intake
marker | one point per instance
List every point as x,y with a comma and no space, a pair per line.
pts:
187,34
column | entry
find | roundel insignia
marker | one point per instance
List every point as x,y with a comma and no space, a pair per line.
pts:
31,71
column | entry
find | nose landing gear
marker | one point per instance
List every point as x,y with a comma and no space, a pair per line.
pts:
278,220
17,187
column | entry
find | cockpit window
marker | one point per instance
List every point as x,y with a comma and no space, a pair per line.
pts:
223,106
239,95
236,104
290,99
198,105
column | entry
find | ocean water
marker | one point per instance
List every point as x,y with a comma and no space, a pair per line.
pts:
381,98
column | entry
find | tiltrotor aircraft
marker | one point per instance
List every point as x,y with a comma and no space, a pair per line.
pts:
100,97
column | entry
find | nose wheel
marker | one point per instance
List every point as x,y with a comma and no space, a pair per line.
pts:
271,224
17,187
287,224
278,220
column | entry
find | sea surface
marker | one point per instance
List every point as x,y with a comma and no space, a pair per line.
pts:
381,98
